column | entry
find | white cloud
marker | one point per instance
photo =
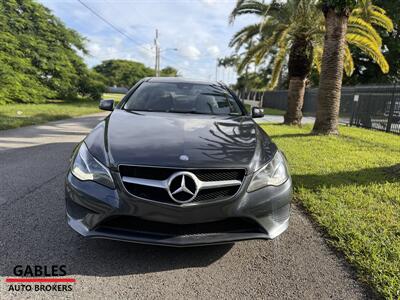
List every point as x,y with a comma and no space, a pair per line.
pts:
191,52
213,51
94,49
209,2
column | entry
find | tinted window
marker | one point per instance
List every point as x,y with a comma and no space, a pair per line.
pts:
183,98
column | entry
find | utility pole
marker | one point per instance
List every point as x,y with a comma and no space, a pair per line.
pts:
157,62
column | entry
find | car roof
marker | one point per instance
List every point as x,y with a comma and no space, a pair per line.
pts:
180,80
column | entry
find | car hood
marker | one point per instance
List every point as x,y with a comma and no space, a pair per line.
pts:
180,140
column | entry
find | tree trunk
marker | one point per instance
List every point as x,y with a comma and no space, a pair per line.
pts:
331,73
300,62
297,88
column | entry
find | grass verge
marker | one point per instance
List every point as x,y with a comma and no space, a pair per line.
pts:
268,111
350,184
273,112
18,115
116,97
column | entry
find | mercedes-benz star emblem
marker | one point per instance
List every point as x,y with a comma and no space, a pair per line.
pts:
183,187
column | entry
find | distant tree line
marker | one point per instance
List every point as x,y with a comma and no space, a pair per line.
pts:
125,73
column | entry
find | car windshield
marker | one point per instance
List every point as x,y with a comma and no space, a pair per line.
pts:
183,98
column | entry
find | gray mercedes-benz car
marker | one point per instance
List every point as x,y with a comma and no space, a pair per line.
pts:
178,163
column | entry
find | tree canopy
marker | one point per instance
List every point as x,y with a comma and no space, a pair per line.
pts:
125,73
39,56
169,72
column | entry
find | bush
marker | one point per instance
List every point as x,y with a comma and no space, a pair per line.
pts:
92,85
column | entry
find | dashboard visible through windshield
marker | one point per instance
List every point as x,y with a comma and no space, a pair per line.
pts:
183,98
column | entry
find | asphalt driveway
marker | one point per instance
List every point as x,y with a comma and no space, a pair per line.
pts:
33,162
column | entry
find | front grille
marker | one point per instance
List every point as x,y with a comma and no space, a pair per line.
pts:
162,174
217,175
138,225
148,192
216,194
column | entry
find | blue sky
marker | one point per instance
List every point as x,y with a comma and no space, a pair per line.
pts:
199,29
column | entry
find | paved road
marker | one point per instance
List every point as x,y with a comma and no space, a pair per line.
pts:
279,119
304,120
33,160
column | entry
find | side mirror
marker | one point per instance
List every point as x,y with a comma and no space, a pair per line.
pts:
107,105
257,112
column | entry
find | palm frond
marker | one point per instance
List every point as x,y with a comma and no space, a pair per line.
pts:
348,61
244,35
278,64
269,43
378,9
382,20
257,52
249,56
248,7
317,57
371,49
358,26
373,14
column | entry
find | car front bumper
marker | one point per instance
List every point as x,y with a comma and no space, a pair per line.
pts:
96,211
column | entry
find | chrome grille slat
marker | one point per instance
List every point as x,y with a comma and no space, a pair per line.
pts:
162,184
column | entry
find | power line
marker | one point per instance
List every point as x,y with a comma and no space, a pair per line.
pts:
112,25
133,40
124,34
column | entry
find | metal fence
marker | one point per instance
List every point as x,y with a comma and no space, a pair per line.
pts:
376,107
379,109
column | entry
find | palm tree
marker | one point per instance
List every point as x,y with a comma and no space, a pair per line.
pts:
286,28
338,15
294,31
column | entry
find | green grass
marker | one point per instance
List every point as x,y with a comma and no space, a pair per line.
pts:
273,112
18,115
116,97
351,186
268,111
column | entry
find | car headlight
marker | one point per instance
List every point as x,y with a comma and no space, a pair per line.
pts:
86,167
274,173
